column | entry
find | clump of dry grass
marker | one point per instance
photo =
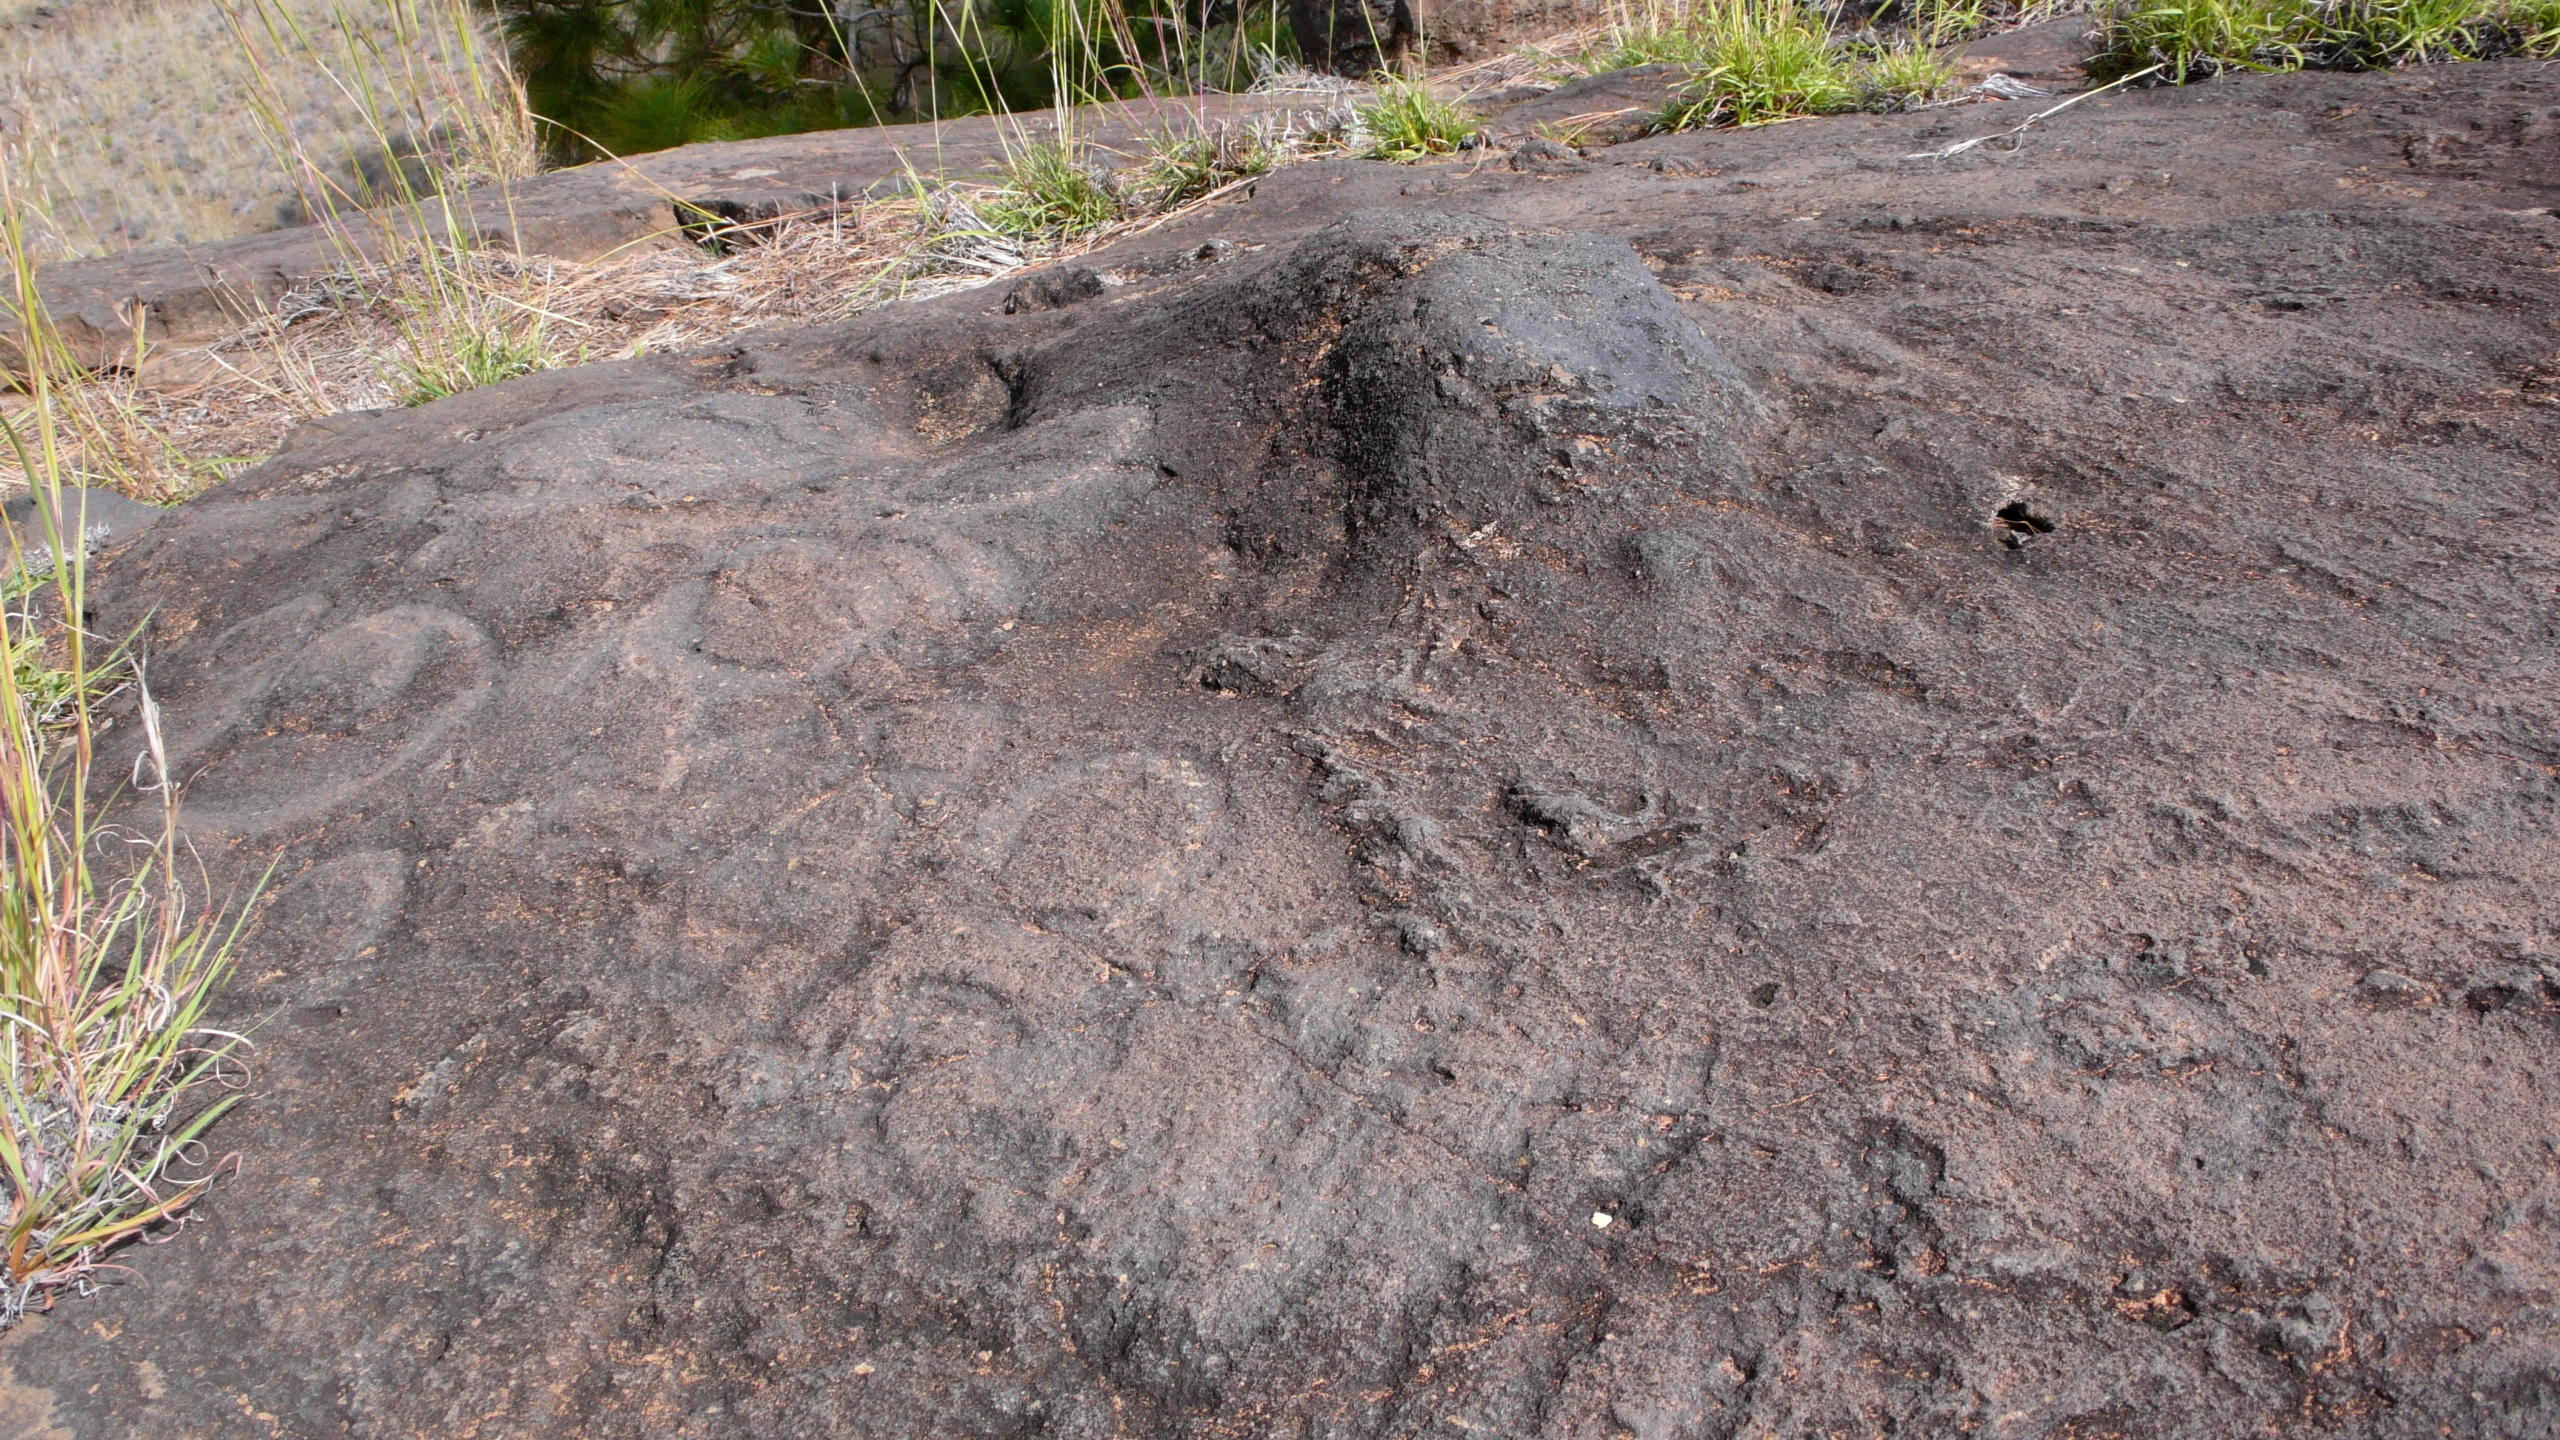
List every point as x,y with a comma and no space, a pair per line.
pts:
105,971
131,121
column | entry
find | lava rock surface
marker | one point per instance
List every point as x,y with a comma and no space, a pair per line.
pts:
1763,787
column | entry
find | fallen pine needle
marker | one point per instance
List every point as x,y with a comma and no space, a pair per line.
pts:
1962,146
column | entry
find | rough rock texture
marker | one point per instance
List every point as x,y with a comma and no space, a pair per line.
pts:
1962,753
2052,54
1473,29
1360,37
1354,37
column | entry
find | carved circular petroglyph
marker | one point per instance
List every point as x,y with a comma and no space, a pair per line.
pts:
709,444
347,708
1109,839
910,601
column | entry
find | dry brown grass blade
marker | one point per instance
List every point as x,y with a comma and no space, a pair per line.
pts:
125,117
104,977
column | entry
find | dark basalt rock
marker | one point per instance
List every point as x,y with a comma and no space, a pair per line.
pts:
1549,806
1357,38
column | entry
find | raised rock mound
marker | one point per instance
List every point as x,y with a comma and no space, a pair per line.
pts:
1921,802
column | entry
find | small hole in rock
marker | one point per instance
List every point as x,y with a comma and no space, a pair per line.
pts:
2017,522
1765,995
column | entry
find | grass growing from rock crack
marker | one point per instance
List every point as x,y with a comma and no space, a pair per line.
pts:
445,357
1948,22
2537,25
109,1076
1049,190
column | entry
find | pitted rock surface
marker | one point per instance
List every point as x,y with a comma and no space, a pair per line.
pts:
1899,798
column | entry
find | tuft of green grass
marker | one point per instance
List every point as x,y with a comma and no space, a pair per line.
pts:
1760,60
447,362
2535,24
1901,76
2198,38
1754,61
1947,22
106,1061
2194,39
1658,34
1048,192
2376,34
1404,123
1751,62
1179,170
1702,34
